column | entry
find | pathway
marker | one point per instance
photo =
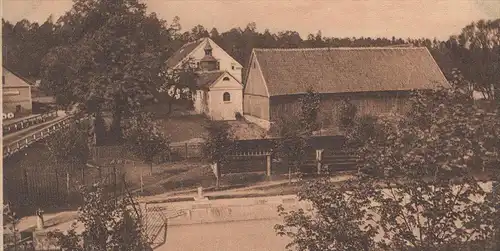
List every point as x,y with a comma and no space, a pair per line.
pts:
228,236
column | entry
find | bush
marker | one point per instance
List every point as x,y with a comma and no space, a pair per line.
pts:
238,116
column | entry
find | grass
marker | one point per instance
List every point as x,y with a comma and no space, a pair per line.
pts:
184,128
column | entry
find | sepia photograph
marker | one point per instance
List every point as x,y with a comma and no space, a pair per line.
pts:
242,125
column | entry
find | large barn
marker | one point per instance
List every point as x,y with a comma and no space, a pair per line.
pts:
375,80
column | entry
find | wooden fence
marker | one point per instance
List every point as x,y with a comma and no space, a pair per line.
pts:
28,122
17,145
29,188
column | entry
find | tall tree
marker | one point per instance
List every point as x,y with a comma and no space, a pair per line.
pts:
113,60
477,50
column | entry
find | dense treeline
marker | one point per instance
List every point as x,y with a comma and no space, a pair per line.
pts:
475,51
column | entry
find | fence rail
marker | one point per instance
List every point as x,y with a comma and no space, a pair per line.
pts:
28,122
38,135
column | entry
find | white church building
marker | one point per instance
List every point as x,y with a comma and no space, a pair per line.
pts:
219,95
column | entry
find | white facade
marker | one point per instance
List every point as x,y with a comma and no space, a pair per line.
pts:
222,97
222,100
226,62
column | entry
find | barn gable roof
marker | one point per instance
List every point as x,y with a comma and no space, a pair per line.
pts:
341,70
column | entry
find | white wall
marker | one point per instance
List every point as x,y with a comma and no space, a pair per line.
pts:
221,110
226,61
225,110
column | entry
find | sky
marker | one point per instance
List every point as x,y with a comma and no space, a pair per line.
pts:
338,18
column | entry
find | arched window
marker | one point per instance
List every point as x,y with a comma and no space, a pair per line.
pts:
226,97
225,79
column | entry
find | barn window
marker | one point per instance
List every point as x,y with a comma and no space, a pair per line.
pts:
232,67
225,79
226,97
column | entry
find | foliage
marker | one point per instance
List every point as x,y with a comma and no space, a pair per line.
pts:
10,222
238,116
334,225
422,183
113,65
145,139
292,145
70,145
347,115
219,143
107,224
477,53
309,105
177,84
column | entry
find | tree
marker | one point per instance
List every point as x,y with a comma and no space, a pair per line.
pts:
292,144
219,144
177,84
113,57
477,52
335,222
309,105
145,139
108,224
70,145
419,188
347,115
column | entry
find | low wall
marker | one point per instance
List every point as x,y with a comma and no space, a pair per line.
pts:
244,209
260,122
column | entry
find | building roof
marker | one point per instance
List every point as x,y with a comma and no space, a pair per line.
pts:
206,79
340,70
183,52
23,83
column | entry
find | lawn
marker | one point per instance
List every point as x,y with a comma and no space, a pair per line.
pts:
184,128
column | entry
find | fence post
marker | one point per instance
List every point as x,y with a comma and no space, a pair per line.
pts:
26,185
319,157
186,148
57,183
83,176
114,179
68,190
269,163
142,182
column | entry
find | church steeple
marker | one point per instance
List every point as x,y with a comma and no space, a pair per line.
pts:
208,62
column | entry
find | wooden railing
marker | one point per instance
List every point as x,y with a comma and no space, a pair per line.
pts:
25,123
38,135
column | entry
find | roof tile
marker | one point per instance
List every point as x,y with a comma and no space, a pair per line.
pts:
338,70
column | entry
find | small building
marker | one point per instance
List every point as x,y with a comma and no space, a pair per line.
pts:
16,94
219,93
375,80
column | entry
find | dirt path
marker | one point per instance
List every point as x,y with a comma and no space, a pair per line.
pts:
230,236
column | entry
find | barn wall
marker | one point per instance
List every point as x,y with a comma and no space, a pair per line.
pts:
256,106
366,104
256,101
